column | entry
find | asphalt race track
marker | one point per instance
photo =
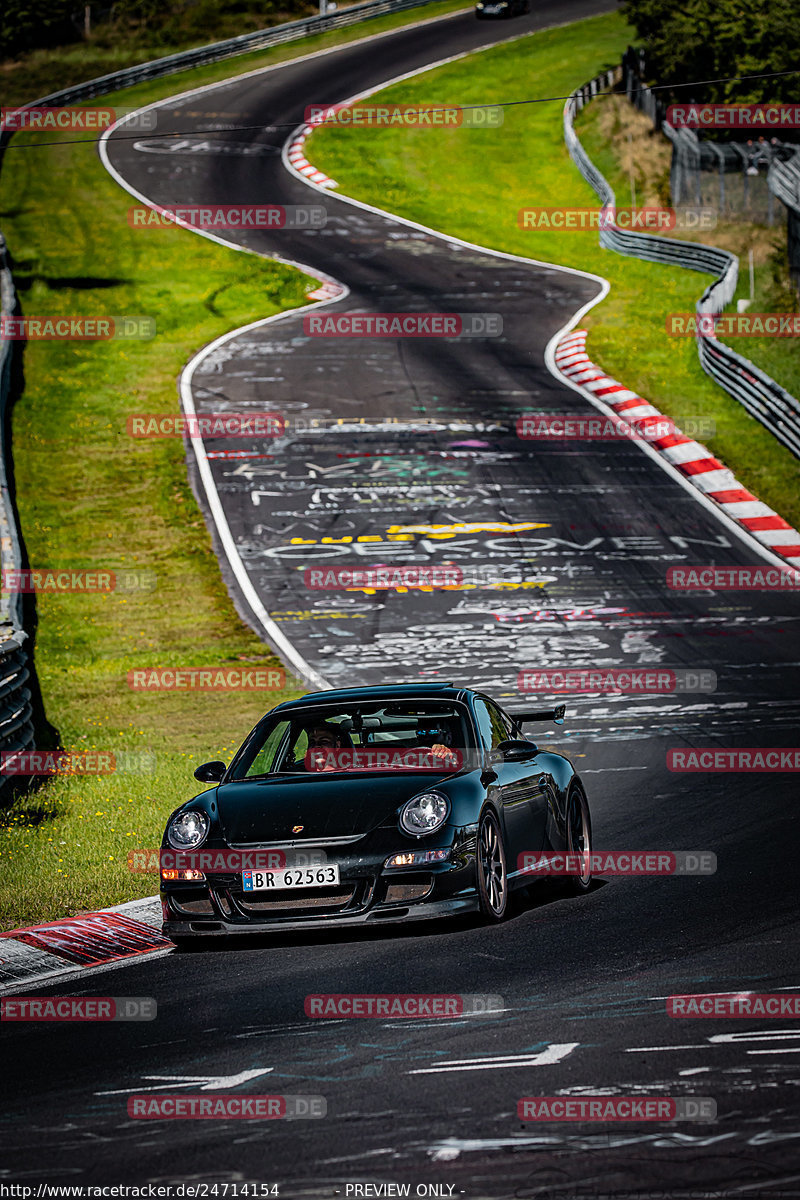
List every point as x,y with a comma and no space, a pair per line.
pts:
594,527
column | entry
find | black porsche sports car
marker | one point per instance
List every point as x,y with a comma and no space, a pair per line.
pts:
501,8
370,805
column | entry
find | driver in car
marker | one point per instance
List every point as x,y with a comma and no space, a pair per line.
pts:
436,741
323,739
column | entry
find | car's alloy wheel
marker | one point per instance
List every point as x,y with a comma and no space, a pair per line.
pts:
579,837
492,877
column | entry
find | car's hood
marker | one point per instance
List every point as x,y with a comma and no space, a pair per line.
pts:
264,811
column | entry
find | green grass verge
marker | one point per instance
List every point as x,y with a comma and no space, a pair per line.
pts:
89,496
473,182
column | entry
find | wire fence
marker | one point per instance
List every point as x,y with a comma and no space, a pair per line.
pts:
760,395
732,177
641,96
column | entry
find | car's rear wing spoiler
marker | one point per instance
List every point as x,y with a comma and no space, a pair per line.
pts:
539,714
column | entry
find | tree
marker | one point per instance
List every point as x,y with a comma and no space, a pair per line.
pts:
718,39
27,24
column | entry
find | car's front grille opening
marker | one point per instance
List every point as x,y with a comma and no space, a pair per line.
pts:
299,899
401,893
200,908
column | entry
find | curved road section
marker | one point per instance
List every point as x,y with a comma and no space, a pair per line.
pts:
584,535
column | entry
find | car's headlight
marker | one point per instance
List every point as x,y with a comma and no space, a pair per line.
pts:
187,830
416,858
424,814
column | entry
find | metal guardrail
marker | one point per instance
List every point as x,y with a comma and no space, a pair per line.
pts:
760,395
289,31
784,181
16,721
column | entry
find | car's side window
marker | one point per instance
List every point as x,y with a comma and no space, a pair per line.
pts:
494,725
263,762
515,732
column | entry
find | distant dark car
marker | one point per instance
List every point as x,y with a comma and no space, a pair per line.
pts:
368,806
501,8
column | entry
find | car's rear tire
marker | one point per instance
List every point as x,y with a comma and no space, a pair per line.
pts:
491,868
579,836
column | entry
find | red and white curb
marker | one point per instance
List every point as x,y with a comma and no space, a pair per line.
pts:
328,291
297,156
46,952
695,461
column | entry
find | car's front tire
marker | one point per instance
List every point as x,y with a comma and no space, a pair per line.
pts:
579,836
491,868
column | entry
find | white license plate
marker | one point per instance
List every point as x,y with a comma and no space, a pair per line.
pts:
291,877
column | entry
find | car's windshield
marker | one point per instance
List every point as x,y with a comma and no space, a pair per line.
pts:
388,735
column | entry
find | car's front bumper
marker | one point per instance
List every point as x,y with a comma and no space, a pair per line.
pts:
209,927
367,894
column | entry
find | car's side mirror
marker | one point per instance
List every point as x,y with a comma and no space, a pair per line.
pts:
514,751
210,772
